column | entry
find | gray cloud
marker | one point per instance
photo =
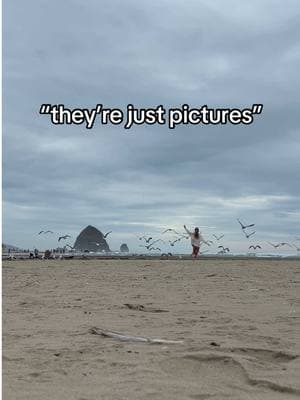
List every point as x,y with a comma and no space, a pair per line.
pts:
170,53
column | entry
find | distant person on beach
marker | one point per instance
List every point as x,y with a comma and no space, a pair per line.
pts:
196,239
36,253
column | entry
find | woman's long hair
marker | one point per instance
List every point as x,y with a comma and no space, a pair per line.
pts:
196,233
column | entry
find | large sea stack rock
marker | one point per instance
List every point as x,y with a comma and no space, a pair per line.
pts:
124,248
91,239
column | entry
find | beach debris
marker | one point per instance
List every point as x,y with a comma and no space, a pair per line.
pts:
140,307
129,338
215,344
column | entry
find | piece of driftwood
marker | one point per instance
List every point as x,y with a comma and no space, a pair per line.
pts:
129,338
140,307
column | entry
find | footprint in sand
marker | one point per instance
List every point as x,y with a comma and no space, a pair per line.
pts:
215,375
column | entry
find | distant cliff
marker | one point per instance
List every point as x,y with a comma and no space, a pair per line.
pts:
90,238
124,248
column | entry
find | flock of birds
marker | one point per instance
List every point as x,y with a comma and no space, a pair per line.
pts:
246,230
152,244
65,237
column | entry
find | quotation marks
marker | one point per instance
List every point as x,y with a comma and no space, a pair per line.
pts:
257,108
45,109
134,116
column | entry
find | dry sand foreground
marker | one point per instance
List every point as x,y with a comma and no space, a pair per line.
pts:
249,309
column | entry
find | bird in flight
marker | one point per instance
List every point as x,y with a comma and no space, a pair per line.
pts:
297,248
244,226
172,242
218,238
63,237
105,236
40,232
254,247
148,247
204,251
48,232
170,230
275,245
224,248
147,240
157,240
153,248
248,234
285,244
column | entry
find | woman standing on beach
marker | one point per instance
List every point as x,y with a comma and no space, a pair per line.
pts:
196,239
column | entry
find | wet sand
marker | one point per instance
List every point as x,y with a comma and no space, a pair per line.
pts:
238,320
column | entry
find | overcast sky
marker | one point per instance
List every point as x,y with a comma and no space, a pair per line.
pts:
81,53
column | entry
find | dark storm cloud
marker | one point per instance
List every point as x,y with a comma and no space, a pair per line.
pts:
145,53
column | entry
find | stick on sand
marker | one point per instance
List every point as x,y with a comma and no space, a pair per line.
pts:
129,338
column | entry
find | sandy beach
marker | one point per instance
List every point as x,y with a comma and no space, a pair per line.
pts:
238,321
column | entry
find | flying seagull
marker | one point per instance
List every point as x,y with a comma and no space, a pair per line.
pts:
244,226
158,240
218,238
170,230
147,240
285,244
63,237
248,234
254,247
297,248
148,247
48,232
105,236
157,248
275,245
174,241
224,249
